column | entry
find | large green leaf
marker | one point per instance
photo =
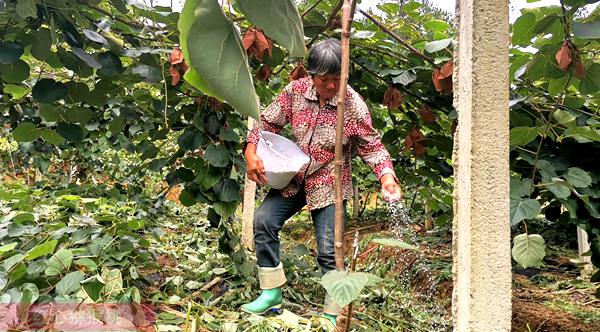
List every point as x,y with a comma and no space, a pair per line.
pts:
214,51
51,136
344,287
591,83
437,45
589,30
26,132
521,209
217,155
520,136
70,283
10,52
93,287
72,132
26,8
41,250
227,190
529,250
279,19
578,177
48,91
15,72
543,65
60,261
523,29
560,188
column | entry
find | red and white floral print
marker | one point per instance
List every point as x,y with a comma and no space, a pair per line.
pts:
313,129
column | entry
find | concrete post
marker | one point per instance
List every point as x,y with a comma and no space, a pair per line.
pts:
481,299
248,207
583,246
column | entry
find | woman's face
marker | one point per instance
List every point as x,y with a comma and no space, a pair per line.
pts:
327,85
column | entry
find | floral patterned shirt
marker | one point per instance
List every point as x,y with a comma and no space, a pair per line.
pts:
313,129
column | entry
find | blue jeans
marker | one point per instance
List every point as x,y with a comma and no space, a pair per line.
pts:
270,217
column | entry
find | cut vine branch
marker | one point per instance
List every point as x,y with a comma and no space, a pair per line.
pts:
397,38
327,25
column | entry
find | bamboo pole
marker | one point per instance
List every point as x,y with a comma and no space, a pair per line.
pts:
347,9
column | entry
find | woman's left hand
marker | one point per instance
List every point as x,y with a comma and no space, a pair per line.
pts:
390,189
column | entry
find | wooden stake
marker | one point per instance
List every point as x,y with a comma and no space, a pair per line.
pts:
347,13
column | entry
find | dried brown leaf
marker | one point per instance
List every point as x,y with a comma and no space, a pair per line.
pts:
392,98
264,73
298,72
176,56
564,56
427,115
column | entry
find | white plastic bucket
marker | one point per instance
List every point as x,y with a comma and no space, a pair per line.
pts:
281,157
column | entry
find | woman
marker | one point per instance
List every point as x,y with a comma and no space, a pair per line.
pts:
310,105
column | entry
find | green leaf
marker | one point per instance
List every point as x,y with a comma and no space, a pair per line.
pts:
342,286
15,72
72,62
585,134
227,190
72,132
111,64
217,155
94,36
117,125
113,282
7,248
578,177
51,136
543,65
59,262
564,117
93,287
559,187
70,283
395,243
372,280
523,30
209,177
543,24
436,25
529,250
521,209
280,20
89,264
405,78
41,250
589,30
10,262
26,8
26,132
219,66
591,83
187,198
48,91
437,45
225,210
557,85
520,136
16,91
80,115
190,140
30,293
89,59
10,52
228,134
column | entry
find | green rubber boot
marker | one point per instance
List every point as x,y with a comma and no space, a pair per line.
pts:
331,318
268,299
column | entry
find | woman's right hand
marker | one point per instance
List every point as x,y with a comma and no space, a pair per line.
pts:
254,165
